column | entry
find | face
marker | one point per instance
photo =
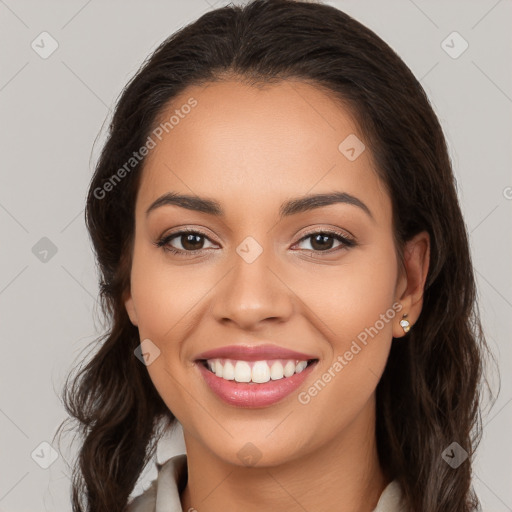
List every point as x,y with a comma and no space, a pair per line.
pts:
322,280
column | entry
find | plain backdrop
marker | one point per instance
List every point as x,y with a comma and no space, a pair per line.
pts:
53,107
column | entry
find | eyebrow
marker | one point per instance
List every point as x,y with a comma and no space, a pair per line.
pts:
288,208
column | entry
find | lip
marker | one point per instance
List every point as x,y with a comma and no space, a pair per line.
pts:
253,353
252,395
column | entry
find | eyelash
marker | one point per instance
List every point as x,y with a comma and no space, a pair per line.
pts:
164,241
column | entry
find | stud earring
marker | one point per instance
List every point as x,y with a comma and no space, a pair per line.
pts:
406,326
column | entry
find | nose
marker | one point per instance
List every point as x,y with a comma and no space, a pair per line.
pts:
252,294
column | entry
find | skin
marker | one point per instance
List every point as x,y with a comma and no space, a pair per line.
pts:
250,149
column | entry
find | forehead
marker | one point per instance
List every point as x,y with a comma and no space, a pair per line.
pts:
252,144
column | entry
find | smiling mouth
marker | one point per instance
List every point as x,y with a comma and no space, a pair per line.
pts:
255,372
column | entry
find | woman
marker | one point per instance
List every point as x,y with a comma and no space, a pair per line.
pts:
287,273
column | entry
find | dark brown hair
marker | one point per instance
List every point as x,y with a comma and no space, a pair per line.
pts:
430,393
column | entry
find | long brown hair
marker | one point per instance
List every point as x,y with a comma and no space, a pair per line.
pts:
429,395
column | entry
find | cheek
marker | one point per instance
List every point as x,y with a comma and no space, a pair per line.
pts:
367,292
358,311
354,302
164,299
165,296
351,296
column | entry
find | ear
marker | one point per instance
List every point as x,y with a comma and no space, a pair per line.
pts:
130,308
410,286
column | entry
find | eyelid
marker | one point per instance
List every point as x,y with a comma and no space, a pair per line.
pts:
186,229
330,231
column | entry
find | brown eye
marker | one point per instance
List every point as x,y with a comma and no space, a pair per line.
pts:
183,242
322,241
191,242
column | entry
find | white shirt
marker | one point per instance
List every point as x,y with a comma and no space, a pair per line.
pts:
164,493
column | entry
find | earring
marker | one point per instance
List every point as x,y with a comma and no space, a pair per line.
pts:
406,326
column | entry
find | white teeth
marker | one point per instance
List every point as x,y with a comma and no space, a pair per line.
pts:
228,372
276,371
258,371
218,369
242,371
301,365
289,369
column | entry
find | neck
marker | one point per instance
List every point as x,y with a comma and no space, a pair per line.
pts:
343,474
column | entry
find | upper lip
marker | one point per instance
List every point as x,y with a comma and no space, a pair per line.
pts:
253,353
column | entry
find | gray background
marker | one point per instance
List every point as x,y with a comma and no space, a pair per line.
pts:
51,112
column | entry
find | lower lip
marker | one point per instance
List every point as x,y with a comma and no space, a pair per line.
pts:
252,395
